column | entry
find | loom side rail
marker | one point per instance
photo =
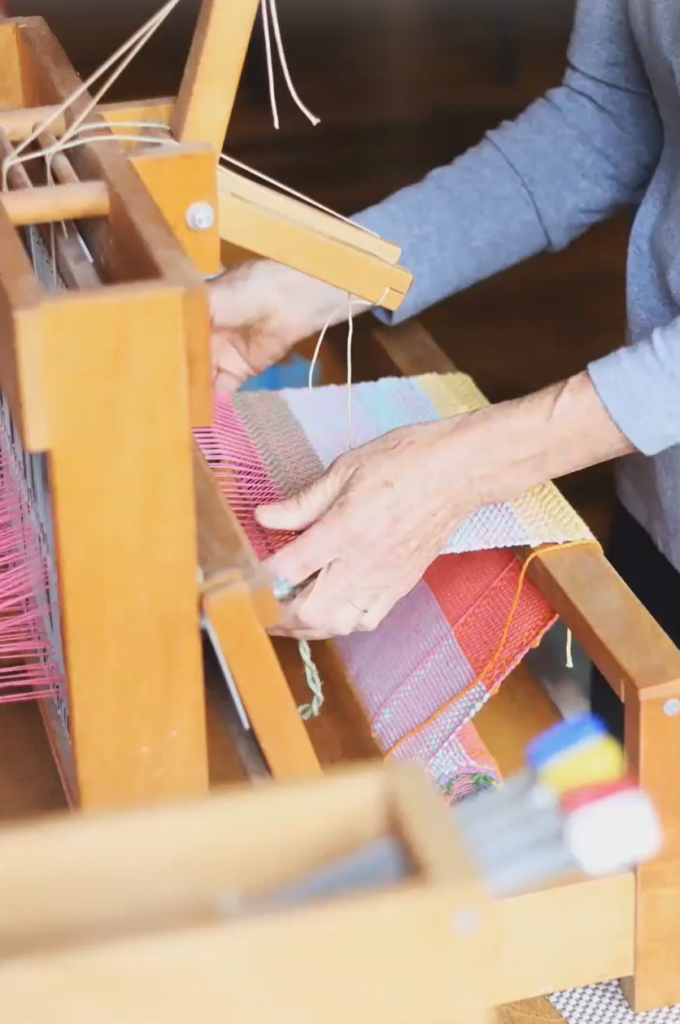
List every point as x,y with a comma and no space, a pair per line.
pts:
642,666
111,897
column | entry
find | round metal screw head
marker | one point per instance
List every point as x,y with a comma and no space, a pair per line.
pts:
672,707
200,216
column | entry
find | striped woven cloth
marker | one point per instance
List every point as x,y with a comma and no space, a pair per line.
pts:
435,659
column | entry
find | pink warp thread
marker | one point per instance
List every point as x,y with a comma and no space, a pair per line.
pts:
28,664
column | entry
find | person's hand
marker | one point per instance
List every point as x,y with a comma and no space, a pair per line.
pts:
373,524
381,514
260,310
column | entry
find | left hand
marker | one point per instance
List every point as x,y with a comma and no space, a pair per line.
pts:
372,524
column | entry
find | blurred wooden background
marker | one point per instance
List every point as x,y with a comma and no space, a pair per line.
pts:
401,86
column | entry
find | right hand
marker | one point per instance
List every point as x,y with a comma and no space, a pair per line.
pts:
260,310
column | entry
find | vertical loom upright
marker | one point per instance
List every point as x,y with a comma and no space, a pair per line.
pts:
104,370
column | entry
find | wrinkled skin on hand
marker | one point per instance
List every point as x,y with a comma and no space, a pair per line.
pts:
259,311
370,527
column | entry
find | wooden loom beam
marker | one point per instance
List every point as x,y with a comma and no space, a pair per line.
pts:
208,91
73,265
50,204
189,968
652,729
11,84
19,121
355,269
136,242
238,604
127,575
150,871
102,387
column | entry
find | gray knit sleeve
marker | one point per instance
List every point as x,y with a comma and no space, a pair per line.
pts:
573,157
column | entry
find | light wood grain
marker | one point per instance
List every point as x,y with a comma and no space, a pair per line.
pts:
294,209
564,936
617,632
193,974
178,178
419,961
11,89
653,748
152,866
73,265
115,380
266,233
136,242
260,682
53,203
213,72
223,548
20,374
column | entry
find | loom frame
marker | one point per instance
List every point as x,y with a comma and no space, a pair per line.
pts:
150,929
99,187
632,934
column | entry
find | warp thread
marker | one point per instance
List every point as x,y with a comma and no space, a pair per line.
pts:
312,677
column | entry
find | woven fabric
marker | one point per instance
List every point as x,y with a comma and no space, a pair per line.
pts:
429,661
604,1004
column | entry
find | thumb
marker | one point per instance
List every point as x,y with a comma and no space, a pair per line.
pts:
304,508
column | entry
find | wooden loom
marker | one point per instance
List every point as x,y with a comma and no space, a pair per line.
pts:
146,924
123,354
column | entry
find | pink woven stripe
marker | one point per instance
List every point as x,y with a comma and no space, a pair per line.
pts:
408,668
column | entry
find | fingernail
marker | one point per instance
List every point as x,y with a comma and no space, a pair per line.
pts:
282,589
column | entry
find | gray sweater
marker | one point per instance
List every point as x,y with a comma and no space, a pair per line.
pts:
608,136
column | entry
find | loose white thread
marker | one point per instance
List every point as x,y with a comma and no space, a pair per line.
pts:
269,10
264,8
351,303
125,54
51,152
569,650
312,677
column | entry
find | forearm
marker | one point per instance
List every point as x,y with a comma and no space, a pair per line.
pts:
517,445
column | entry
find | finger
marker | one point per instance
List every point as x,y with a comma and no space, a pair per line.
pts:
230,367
319,612
227,383
307,623
308,554
305,507
292,622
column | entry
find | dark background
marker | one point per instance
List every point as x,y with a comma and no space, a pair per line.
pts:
401,86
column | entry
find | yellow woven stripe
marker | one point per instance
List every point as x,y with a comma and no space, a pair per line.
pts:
452,394
546,514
